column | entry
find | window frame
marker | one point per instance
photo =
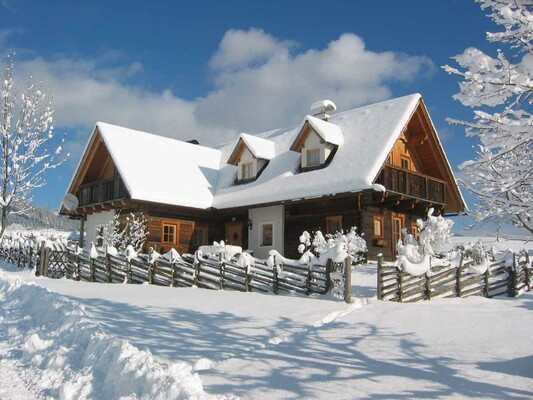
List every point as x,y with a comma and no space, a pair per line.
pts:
262,241
174,234
381,221
407,160
313,150
415,231
333,219
244,167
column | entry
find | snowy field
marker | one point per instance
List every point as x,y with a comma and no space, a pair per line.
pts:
89,340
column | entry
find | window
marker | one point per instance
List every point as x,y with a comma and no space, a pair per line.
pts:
414,230
406,163
247,171
313,158
169,233
267,234
199,236
334,224
377,227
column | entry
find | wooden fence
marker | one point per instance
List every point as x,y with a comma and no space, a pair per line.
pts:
501,278
186,271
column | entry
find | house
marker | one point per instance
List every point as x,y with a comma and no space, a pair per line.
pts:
378,167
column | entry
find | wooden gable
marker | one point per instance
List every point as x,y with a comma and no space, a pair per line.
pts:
237,153
419,147
302,137
96,164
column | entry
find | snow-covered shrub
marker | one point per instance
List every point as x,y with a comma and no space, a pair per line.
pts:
415,256
472,251
336,246
123,232
435,233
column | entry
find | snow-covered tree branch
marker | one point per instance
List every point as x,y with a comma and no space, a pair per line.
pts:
500,90
26,129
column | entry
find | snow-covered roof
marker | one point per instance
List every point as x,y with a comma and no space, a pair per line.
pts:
259,147
328,131
170,171
160,169
369,134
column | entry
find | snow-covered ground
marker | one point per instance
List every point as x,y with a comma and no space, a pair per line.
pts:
139,341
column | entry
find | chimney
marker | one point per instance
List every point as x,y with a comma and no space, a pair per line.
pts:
323,109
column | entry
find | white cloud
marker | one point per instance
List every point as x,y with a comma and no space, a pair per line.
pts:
240,49
258,84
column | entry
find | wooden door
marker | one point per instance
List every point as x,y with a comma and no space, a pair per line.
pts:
234,233
398,223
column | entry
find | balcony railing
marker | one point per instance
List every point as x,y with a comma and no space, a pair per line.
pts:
101,191
421,186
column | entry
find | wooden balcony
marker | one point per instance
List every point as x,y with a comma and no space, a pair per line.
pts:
102,191
413,184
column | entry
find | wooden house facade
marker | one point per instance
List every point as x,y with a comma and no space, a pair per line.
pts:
379,167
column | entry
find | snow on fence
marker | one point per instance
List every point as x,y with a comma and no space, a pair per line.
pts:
208,272
511,276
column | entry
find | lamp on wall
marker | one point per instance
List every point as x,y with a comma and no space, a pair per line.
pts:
250,224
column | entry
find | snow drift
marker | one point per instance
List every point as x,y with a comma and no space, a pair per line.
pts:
72,357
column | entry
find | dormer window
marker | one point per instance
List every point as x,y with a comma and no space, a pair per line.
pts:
251,156
317,141
247,170
313,157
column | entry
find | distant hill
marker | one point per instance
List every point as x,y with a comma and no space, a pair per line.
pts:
40,218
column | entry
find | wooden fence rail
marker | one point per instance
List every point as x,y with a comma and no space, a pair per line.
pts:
500,278
186,271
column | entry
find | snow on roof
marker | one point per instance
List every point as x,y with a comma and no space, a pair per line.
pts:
328,131
369,135
160,169
260,148
169,171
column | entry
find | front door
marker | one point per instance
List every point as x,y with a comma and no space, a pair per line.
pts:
398,223
234,232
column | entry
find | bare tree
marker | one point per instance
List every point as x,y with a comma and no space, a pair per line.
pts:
500,90
26,129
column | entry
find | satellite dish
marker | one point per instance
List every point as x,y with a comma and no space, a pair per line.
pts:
70,202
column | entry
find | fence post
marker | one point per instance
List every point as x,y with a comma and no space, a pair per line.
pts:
511,284
379,285
196,268
92,277
400,285
172,271
107,262
128,271
458,277
275,277
487,283
78,267
20,256
428,286
30,256
348,280
308,280
527,268
246,279
329,268
221,269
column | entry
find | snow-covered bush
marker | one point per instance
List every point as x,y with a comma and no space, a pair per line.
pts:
435,234
472,251
415,256
123,232
336,246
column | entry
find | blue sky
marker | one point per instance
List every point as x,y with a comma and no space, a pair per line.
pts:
211,69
